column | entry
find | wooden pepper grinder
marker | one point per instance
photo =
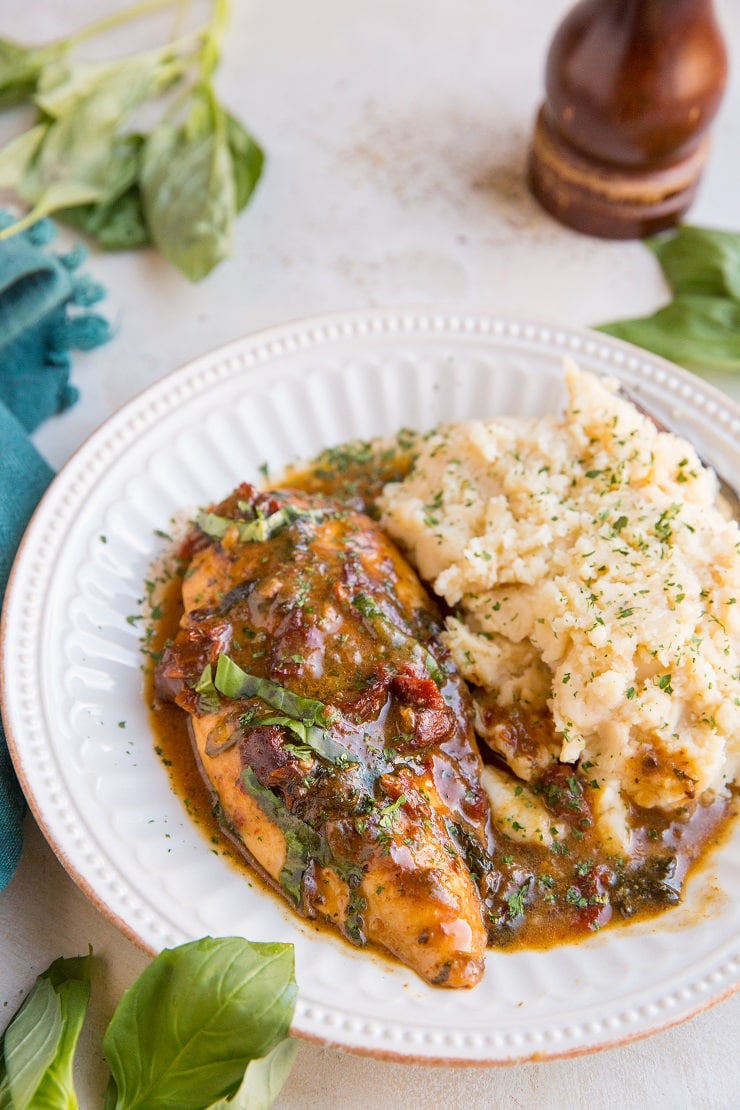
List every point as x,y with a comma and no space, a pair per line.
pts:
631,89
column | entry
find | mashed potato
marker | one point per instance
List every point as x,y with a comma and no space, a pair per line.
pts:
592,575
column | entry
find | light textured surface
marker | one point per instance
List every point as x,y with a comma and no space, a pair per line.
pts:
396,137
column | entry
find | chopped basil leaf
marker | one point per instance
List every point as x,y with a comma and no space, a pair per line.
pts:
302,842
257,530
305,845
209,699
233,682
314,738
305,717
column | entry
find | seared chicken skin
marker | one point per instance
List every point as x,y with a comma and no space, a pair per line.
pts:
332,729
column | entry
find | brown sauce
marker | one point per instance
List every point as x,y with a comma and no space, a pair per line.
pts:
554,898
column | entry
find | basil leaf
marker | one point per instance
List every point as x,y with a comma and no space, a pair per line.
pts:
118,221
248,531
248,159
16,155
302,843
699,328
58,195
188,188
258,530
263,1079
700,260
299,728
116,224
71,979
697,331
204,685
30,1042
209,701
233,682
305,717
73,164
20,69
185,1032
207,169
39,1044
316,740
87,108
111,89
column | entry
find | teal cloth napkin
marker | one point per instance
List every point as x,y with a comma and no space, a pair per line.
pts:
44,304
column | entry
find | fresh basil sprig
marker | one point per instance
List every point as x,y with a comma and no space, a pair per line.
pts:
700,327
178,187
206,1025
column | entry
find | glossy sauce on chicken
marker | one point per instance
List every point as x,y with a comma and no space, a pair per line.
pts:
357,792
331,728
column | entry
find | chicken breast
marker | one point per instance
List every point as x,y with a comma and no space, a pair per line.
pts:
332,727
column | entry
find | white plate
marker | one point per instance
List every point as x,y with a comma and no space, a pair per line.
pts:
72,676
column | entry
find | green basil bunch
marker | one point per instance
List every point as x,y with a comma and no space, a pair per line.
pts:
178,187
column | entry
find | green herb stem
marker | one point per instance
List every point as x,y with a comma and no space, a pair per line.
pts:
116,19
213,39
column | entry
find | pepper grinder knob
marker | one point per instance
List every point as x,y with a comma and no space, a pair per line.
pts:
621,140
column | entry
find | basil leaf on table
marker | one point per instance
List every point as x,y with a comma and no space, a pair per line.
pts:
113,89
694,330
118,221
17,154
188,188
75,160
263,1080
116,224
20,69
30,1044
248,159
206,1025
196,1017
700,260
72,162
80,142
700,327
38,1047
